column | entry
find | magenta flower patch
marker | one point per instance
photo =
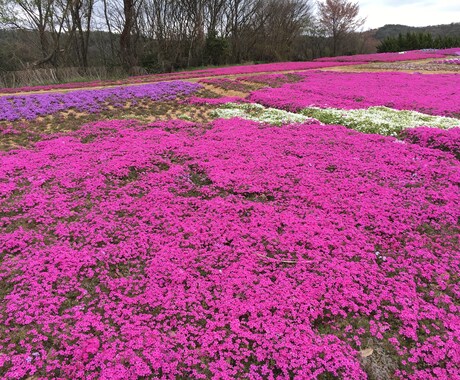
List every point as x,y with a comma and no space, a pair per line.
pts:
445,140
388,57
233,250
435,94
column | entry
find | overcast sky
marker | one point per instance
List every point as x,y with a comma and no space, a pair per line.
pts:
409,12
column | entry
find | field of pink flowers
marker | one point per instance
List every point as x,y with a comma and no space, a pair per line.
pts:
432,94
232,248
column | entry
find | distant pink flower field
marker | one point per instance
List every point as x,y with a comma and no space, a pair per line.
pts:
433,94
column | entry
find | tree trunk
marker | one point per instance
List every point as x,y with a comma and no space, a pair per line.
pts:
128,58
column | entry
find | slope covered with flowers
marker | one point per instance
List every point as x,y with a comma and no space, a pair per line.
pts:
432,94
233,250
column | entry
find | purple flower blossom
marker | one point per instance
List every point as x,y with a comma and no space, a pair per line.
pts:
92,101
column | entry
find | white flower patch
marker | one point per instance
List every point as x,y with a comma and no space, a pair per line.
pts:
380,120
257,112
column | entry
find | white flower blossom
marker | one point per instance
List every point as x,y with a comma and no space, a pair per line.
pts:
380,120
257,112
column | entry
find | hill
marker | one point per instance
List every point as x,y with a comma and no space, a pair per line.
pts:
392,30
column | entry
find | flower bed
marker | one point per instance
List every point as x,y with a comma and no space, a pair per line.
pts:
450,61
92,101
256,112
227,84
382,57
236,250
380,120
272,80
447,141
435,94
450,51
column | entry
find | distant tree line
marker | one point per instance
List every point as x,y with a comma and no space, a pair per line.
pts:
166,35
392,30
415,41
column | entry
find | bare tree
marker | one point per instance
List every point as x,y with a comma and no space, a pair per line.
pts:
284,21
214,13
240,16
127,47
164,35
81,12
339,18
316,36
37,15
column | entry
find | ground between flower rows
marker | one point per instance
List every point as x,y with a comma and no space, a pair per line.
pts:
227,250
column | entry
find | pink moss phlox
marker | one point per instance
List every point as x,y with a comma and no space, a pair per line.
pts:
449,61
449,51
130,252
383,57
445,140
433,94
9,130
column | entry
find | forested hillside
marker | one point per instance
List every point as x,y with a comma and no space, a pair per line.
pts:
391,30
148,36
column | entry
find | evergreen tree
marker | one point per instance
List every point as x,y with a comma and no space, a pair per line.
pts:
416,41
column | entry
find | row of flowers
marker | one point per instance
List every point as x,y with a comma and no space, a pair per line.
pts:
449,61
446,51
380,120
90,101
385,57
435,132
251,82
259,113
